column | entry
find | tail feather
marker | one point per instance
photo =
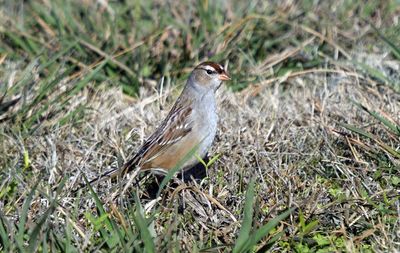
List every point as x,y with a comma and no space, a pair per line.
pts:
106,175
122,171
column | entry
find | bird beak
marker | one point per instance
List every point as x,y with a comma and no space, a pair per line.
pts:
224,77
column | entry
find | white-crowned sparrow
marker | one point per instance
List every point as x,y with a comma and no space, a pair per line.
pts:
191,124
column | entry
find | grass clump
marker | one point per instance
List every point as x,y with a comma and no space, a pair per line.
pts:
309,124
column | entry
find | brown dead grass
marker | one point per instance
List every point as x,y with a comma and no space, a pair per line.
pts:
283,134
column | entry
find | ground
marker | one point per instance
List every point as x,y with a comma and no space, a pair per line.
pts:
307,153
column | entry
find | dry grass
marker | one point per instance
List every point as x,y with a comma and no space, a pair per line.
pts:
283,135
284,129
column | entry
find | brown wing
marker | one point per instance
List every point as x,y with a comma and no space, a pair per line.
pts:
176,126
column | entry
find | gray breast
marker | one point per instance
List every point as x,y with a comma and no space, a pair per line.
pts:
207,126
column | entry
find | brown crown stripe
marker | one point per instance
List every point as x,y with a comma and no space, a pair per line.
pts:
216,66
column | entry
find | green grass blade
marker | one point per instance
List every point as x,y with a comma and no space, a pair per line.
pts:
302,222
27,77
395,50
212,160
72,115
44,89
68,238
395,128
372,72
271,241
115,236
34,236
356,130
372,137
4,232
58,56
267,228
247,221
141,223
36,231
44,244
82,83
310,227
375,73
19,239
19,41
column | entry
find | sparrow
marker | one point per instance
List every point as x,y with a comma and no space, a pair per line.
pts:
190,125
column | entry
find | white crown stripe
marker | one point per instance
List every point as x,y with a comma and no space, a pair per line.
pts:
208,67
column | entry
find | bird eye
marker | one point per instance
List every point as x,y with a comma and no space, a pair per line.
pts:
209,71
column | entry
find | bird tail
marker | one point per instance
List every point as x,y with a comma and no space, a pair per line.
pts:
122,171
106,175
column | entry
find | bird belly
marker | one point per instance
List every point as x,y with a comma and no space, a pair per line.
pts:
171,157
207,137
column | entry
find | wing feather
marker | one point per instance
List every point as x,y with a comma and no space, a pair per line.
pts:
176,126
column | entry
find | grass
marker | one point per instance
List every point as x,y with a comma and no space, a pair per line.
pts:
307,155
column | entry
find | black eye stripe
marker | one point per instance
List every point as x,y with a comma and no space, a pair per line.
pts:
210,71
211,68
215,67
